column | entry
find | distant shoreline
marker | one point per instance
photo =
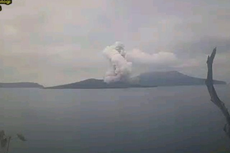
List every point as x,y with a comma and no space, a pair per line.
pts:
145,80
108,88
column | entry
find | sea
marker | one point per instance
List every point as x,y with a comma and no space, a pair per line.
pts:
179,119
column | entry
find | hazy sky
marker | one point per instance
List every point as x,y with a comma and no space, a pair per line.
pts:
57,42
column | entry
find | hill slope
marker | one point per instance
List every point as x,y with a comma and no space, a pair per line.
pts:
171,78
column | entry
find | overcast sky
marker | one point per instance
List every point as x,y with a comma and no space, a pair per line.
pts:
57,42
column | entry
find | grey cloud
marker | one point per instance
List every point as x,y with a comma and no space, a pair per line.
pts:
202,46
65,39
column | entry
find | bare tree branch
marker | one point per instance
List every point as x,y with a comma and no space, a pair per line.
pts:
212,92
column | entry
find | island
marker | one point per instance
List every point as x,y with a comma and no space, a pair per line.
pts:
98,84
145,80
21,85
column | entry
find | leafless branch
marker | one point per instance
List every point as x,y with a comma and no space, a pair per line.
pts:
212,92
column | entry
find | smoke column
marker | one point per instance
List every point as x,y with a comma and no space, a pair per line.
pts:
121,62
120,69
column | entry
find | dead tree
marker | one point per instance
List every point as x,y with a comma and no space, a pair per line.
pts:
6,139
212,92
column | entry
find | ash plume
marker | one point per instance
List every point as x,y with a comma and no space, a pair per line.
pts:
120,69
121,62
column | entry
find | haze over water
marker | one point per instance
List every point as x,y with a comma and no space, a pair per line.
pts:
153,120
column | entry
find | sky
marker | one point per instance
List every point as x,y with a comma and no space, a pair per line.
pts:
54,43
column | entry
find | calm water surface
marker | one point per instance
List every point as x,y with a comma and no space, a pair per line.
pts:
153,120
